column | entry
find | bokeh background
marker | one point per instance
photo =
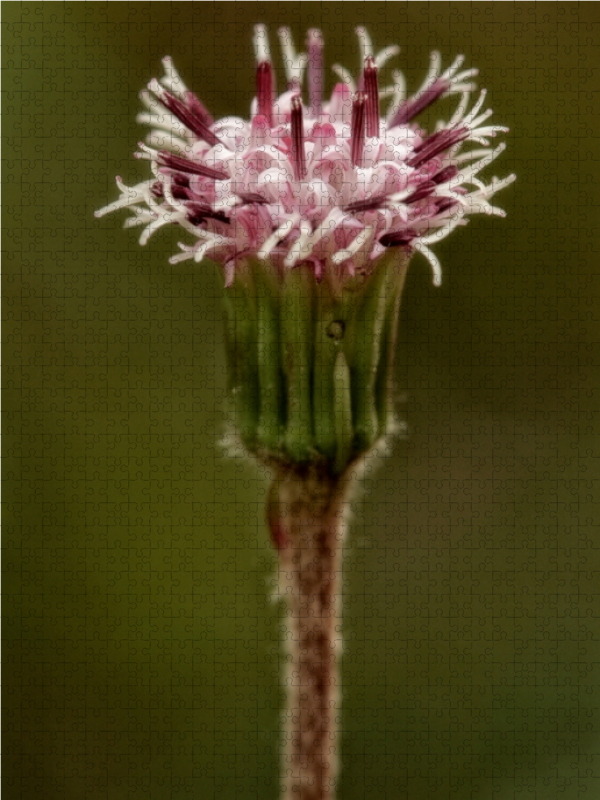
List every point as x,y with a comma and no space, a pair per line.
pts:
141,649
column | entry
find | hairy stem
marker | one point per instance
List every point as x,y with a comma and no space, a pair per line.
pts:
306,516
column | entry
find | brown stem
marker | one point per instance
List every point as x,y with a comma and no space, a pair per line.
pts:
306,518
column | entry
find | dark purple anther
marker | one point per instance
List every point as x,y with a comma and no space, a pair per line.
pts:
252,198
445,175
157,190
189,117
298,154
314,45
445,203
166,159
198,212
180,180
179,192
264,90
357,130
198,108
423,191
372,93
435,144
415,105
397,238
369,204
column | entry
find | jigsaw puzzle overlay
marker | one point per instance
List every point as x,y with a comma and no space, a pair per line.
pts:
141,650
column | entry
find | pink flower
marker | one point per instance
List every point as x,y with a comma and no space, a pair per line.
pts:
331,184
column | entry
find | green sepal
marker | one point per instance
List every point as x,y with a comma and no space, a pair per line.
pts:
385,370
363,352
344,432
270,380
296,328
242,353
330,329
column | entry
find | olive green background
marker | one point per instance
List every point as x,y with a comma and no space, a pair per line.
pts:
141,648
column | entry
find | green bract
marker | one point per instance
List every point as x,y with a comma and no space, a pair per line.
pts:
310,365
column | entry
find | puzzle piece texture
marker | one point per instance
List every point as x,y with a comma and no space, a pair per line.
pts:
142,651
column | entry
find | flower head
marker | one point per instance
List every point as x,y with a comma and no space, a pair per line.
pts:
330,184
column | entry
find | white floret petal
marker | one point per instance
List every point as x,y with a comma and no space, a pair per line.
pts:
294,63
365,43
384,56
433,260
261,44
279,234
360,242
345,75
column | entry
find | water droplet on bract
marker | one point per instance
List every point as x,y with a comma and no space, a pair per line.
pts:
336,329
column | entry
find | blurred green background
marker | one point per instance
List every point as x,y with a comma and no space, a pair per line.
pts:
141,650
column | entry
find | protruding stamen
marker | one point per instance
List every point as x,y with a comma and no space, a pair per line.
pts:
252,198
423,191
264,90
189,116
415,105
372,93
445,175
368,204
444,204
198,212
435,144
198,108
179,164
180,180
357,130
314,45
397,238
181,192
298,154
